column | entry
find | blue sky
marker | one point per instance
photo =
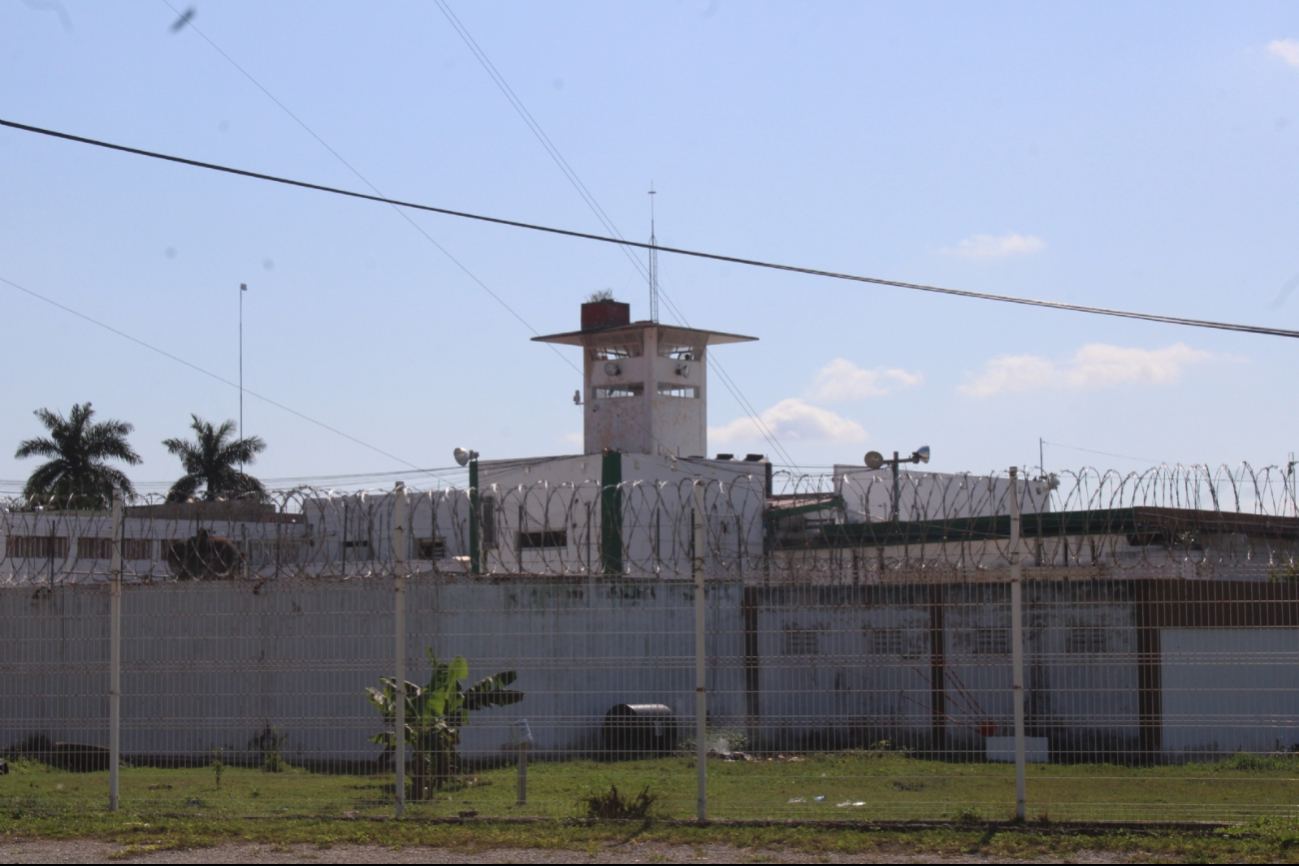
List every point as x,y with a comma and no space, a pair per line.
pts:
1140,156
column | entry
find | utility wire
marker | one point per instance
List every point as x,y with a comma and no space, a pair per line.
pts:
757,263
605,220
403,214
366,181
1103,453
219,378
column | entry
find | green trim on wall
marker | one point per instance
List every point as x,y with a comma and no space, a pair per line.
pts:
611,513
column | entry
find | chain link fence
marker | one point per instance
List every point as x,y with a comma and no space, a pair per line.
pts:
1089,646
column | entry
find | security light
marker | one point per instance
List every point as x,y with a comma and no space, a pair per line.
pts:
922,454
612,369
463,456
874,460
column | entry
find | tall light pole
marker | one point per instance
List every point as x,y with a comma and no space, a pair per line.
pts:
467,457
243,287
876,460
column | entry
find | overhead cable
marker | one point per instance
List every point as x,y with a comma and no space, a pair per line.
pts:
589,199
219,378
757,263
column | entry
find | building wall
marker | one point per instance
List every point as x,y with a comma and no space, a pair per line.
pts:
868,494
211,665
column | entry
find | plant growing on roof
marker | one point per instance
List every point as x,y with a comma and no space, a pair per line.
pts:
435,713
77,476
214,461
600,296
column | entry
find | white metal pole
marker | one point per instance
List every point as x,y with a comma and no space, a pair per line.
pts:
701,669
399,581
115,654
1017,644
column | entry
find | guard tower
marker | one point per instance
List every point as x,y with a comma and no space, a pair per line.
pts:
645,384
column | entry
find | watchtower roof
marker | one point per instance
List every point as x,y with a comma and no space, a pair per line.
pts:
671,333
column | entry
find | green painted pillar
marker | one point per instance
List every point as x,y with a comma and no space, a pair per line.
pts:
611,513
475,559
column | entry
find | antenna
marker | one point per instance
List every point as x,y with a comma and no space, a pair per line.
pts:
653,264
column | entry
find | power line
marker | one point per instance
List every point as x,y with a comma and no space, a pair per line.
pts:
366,181
604,219
402,213
757,263
1103,453
215,376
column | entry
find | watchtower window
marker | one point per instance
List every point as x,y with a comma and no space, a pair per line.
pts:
680,352
617,391
624,347
667,389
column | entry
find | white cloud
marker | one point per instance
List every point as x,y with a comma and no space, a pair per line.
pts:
1095,365
791,420
994,247
1286,49
843,380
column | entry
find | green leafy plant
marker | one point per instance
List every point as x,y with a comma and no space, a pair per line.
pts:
612,804
217,767
435,713
602,295
1285,574
270,747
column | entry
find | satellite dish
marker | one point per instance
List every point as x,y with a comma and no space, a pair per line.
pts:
612,369
922,453
874,459
463,457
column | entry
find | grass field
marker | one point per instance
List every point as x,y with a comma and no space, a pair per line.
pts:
819,787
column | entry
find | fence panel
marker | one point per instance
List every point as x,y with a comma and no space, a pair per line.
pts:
857,666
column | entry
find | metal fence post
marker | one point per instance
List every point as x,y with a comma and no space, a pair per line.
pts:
1017,644
701,671
399,691
115,654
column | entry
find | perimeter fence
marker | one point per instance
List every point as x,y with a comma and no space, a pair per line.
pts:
1089,646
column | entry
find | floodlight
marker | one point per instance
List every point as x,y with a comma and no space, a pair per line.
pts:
612,369
463,456
874,460
922,454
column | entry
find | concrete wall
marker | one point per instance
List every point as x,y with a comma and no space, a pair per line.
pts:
211,665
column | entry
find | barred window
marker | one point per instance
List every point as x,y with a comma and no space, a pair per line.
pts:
431,548
37,547
616,392
801,642
539,540
94,548
1086,641
992,641
137,548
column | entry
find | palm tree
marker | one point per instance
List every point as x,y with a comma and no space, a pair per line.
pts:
214,461
77,476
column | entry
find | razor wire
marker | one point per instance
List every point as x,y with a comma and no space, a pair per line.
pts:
842,528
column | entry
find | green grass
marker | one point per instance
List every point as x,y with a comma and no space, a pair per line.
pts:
887,785
1264,841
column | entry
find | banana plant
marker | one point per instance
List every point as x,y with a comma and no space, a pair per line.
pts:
435,713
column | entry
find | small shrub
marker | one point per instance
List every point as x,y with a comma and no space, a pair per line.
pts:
602,295
968,817
217,767
612,805
269,745
1245,762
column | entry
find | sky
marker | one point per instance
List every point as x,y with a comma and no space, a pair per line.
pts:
1131,155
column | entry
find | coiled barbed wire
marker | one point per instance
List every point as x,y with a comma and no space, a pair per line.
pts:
1171,521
